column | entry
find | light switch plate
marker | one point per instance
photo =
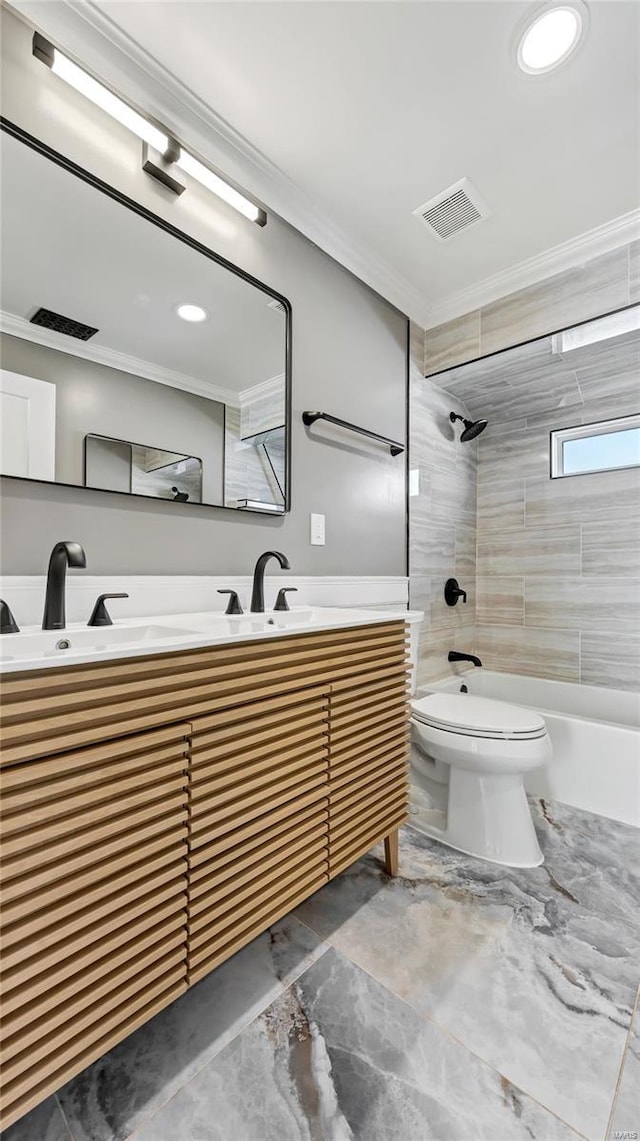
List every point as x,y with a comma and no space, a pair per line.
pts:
317,530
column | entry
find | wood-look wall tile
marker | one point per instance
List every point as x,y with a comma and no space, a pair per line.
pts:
453,497
433,549
452,618
612,494
434,647
453,342
506,451
611,604
553,654
611,548
500,601
562,300
530,551
420,595
634,271
501,504
611,662
432,439
465,560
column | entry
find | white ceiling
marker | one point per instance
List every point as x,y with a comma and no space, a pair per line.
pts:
69,248
371,108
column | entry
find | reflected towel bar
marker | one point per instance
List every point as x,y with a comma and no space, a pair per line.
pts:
311,417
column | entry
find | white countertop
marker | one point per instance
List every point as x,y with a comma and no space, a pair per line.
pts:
36,649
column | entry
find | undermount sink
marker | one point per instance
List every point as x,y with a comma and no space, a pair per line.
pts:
46,643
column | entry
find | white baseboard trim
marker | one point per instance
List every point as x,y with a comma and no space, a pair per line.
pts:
153,595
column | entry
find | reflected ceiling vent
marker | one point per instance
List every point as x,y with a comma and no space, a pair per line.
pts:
50,320
453,210
277,306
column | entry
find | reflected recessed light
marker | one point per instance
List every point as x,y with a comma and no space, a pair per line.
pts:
191,312
550,36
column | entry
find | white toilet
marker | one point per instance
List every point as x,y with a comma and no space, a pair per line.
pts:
474,754
468,761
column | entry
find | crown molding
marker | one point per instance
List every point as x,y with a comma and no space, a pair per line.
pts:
86,32
568,255
274,386
18,327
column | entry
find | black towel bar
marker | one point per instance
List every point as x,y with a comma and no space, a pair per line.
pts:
311,417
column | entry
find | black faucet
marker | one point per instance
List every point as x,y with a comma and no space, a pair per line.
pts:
454,656
257,594
63,555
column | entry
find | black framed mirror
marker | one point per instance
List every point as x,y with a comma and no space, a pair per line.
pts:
135,360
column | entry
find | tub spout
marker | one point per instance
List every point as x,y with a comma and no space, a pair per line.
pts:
454,656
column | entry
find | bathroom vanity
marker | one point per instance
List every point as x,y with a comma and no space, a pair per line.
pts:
161,809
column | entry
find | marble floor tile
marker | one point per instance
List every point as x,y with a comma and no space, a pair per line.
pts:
338,1057
44,1123
625,1118
533,970
120,1091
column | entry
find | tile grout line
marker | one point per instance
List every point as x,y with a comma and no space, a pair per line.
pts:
625,1052
282,990
443,1030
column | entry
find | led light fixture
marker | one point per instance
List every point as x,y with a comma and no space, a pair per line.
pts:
217,185
89,87
550,35
169,150
193,313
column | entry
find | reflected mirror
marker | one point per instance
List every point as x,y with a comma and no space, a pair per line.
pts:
133,359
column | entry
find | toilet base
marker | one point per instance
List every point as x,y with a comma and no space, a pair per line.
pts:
488,817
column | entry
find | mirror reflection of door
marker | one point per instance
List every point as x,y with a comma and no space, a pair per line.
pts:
143,341
27,426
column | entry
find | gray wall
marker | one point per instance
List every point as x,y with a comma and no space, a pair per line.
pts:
93,398
349,358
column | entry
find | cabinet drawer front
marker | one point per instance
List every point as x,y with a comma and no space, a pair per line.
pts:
94,913
258,803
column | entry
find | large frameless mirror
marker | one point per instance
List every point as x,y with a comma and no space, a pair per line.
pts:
134,360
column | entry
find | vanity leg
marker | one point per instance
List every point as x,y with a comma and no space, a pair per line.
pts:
391,853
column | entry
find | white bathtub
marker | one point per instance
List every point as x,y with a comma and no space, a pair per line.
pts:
594,733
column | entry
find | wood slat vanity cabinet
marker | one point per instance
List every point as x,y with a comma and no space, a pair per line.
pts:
159,812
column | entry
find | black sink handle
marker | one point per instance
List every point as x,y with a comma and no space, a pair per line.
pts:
233,605
8,624
100,615
281,600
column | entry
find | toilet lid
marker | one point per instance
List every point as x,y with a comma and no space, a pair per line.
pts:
477,716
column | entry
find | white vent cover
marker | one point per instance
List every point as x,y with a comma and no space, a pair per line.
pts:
277,305
453,210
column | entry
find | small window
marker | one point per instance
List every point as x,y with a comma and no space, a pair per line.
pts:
605,446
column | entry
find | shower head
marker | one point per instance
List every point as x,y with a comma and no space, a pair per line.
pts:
472,428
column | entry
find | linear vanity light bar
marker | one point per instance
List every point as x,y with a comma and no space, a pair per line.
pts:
217,185
64,67
160,140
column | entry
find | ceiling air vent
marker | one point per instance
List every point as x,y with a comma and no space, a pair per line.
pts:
50,320
455,209
277,306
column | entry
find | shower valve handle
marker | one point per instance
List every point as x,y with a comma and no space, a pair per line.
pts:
452,592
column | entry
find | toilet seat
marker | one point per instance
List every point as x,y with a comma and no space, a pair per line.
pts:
471,716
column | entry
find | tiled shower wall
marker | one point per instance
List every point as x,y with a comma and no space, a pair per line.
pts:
558,562
442,519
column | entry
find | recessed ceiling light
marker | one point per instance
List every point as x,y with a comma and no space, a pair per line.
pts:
191,312
550,36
